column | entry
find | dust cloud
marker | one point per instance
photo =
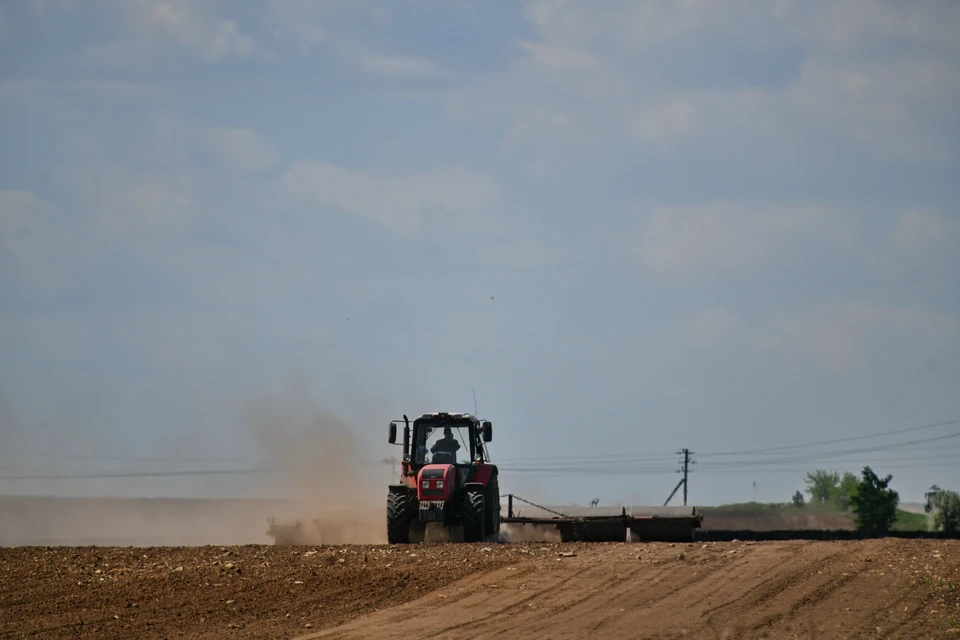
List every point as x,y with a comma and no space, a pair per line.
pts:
318,470
524,532
335,484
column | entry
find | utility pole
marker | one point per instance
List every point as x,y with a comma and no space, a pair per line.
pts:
686,453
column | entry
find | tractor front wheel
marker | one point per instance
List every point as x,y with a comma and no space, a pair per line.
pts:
400,514
472,517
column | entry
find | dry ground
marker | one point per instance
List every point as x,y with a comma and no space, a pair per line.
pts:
879,588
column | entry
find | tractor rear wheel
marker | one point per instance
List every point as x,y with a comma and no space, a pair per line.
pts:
400,513
472,517
493,509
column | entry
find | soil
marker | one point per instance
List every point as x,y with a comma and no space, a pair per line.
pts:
889,588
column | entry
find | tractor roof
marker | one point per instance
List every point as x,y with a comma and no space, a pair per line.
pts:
445,415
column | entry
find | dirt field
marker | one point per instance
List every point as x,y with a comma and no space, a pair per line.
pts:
881,588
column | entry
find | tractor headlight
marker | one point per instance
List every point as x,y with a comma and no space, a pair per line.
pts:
425,484
439,484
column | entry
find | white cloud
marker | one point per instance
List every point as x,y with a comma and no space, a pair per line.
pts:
341,27
153,28
920,231
688,240
309,23
241,149
845,335
889,105
212,37
882,74
394,200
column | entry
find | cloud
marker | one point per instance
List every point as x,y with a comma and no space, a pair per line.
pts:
893,106
879,74
151,30
211,37
683,241
844,336
310,24
347,30
395,200
921,231
241,149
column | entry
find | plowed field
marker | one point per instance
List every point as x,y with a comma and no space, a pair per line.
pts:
866,589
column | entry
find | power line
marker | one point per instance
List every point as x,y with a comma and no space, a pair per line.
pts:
835,441
824,455
137,474
78,456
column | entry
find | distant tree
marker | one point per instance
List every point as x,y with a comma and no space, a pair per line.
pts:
946,511
930,495
843,493
821,485
798,499
874,505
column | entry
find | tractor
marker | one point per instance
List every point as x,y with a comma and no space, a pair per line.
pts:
445,477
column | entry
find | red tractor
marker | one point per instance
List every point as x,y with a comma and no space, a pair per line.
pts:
445,477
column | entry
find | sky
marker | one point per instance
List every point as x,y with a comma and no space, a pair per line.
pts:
629,227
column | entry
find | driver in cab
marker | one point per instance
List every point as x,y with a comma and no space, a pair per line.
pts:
446,444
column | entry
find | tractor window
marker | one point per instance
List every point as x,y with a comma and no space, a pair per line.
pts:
433,447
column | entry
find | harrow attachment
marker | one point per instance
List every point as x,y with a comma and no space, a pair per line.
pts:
613,524
298,532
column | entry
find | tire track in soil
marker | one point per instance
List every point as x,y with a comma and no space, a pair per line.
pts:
562,605
719,571
768,591
604,600
514,606
482,592
629,598
814,597
911,616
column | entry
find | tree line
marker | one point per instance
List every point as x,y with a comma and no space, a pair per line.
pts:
872,501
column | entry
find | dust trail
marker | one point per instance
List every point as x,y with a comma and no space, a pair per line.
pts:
325,474
337,487
524,532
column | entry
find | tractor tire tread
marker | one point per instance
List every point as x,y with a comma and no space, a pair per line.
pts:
473,517
400,513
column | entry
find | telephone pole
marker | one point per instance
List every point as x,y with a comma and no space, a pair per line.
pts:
686,461
686,453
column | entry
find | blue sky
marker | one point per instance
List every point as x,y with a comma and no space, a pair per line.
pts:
630,226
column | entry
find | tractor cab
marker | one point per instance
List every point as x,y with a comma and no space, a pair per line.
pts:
444,438
446,441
